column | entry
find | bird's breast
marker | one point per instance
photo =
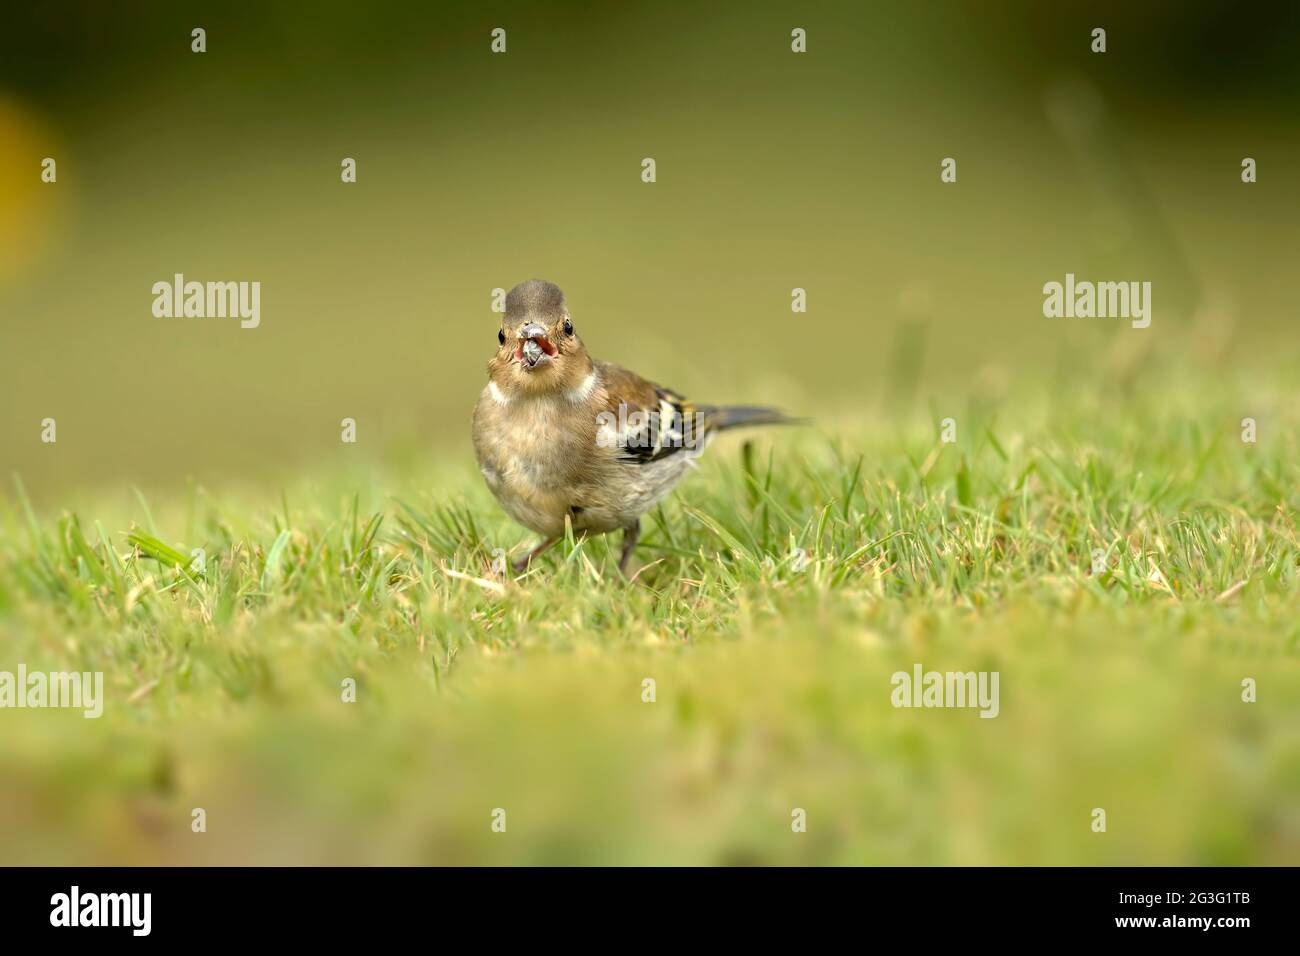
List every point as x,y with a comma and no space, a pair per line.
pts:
536,456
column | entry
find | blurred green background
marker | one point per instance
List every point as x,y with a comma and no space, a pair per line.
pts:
476,171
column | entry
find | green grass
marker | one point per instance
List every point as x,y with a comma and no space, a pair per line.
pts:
1120,689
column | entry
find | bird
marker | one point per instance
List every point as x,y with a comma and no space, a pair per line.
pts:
561,437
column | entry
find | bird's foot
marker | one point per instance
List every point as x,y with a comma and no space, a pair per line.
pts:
520,564
630,536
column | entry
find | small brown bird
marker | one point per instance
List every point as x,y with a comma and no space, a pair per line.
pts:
560,435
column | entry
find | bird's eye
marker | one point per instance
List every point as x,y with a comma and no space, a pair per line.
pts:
501,336
568,327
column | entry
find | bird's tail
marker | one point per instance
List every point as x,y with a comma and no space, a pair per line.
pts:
722,417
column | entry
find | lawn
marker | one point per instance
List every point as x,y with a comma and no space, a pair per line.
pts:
1122,559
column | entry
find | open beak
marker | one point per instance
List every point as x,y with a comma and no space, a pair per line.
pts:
534,347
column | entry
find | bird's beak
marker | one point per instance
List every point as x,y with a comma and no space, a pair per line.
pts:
534,347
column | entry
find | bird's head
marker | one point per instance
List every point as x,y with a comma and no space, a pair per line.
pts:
539,350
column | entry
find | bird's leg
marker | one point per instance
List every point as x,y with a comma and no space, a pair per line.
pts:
520,564
630,535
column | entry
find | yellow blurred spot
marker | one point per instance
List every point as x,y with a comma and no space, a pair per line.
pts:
28,207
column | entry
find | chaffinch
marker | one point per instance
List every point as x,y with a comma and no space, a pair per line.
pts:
559,435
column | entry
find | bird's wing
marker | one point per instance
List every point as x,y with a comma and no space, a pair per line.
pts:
652,422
